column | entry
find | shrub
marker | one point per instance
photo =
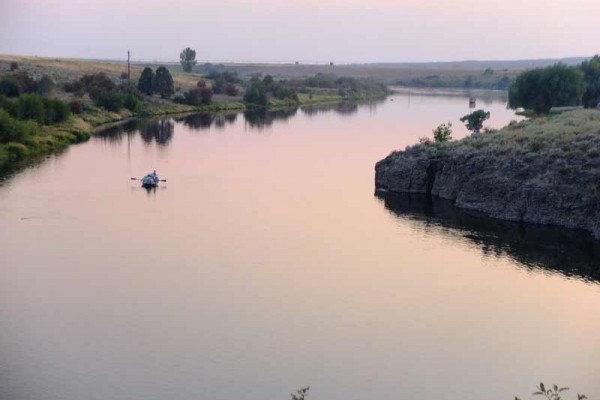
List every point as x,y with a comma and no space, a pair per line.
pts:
9,86
76,107
12,130
132,103
8,105
26,82
443,133
111,100
46,86
31,106
198,96
231,90
474,121
256,94
16,151
14,66
55,111
97,84
74,87
591,73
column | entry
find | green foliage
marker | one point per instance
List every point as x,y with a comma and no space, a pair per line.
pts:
198,96
163,83
591,76
256,94
145,83
12,130
46,86
543,88
300,394
31,106
55,111
553,393
443,133
16,151
9,86
231,90
221,80
26,82
474,121
76,107
132,103
187,59
94,84
111,100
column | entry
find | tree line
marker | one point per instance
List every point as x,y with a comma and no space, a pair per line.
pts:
559,85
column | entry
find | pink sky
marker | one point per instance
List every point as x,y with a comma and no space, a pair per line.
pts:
303,30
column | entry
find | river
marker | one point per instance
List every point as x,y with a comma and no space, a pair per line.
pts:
266,263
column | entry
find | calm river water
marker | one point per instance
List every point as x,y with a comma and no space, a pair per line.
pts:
266,264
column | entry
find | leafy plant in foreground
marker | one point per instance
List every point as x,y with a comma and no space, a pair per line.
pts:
553,393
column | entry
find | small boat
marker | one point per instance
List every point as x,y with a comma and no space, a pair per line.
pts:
150,180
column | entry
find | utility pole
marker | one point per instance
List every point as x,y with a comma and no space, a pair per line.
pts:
128,66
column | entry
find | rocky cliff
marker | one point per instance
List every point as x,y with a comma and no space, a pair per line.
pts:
543,171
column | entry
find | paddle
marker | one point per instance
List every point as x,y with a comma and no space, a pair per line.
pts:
138,179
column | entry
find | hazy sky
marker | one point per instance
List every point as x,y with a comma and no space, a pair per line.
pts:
304,30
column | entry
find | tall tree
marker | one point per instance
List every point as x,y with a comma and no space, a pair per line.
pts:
145,81
591,76
187,59
543,88
163,83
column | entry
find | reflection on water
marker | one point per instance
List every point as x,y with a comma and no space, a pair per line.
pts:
159,131
261,118
205,121
570,252
150,130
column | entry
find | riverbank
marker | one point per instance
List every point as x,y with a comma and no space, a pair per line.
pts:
544,170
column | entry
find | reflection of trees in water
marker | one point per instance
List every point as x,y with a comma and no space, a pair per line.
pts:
205,121
160,131
569,252
260,118
344,108
116,133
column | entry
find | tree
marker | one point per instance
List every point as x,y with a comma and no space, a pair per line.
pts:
187,59
591,76
443,133
256,94
145,83
474,121
163,83
543,88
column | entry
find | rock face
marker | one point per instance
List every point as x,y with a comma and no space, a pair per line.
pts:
545,187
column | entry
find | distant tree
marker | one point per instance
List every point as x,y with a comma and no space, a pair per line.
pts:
443,133
46,86
14,66
268,81
256,94
26,82
187,59
201,83
9,86
591,76
474,121
543,88
145,83
231,90
198,96
163,83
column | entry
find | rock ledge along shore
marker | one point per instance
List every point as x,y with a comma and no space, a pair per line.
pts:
545,170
